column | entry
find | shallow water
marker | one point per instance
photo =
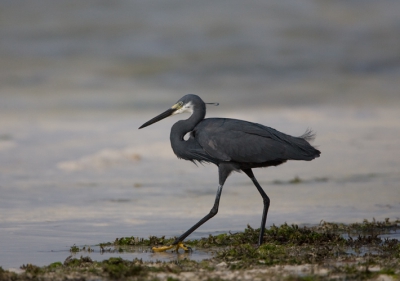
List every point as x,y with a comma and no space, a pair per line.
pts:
66,182
77,81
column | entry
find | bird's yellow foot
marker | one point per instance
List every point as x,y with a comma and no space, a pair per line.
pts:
162,248
183,246
177,246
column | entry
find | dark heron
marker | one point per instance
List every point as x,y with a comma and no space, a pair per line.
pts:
232,145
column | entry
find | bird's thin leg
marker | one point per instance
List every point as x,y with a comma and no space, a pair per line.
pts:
212,213
224,170
266,202
178,241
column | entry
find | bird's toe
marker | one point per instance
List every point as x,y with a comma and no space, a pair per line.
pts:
162,248
182,246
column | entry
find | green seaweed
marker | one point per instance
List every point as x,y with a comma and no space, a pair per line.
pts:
74,249
117,268
328,251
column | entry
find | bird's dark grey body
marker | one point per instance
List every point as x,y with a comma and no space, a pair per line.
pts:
231,145
250,145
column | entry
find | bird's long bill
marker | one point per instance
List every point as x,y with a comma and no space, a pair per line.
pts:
163,115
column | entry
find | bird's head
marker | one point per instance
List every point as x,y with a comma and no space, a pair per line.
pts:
188,103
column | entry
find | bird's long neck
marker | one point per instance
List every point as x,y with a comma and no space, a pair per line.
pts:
182,127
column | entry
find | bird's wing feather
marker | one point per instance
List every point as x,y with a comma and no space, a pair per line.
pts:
242,141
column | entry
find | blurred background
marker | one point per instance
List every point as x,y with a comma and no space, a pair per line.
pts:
77,78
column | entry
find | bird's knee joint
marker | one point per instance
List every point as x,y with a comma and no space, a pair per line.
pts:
213,211
266,201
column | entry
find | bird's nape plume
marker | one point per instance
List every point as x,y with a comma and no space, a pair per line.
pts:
308,135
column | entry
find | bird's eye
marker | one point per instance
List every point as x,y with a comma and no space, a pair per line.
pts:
180,103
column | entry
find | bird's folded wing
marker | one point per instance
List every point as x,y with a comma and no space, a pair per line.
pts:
240,141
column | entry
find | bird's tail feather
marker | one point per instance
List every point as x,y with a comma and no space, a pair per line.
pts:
301,149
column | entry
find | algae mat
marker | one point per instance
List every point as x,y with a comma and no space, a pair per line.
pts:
329,251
